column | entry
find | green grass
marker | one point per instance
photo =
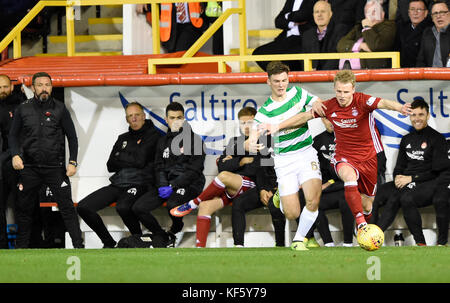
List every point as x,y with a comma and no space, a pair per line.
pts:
227,265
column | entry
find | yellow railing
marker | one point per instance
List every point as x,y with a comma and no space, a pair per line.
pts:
15,37
307,59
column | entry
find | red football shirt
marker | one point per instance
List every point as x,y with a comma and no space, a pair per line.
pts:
357,137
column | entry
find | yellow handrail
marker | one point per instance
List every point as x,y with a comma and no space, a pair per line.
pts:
15,37
307,58
15,34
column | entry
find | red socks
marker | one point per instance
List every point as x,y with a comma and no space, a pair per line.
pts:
215,189
353,198
203,225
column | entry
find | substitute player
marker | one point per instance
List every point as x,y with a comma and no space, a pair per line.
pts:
295,160
357,140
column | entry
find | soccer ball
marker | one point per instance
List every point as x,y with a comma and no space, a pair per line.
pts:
370,237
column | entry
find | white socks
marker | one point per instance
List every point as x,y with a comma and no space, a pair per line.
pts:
307,219
193,205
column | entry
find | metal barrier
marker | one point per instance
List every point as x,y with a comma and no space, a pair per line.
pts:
15,37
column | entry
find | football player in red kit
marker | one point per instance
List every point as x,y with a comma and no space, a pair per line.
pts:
357,140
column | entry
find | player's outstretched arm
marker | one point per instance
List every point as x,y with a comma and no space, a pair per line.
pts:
293,122
404,109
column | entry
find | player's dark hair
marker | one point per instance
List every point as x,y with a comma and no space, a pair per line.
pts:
39,75
276,67
247,111
175,106
420,103
433,3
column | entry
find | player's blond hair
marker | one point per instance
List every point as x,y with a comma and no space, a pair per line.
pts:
345,76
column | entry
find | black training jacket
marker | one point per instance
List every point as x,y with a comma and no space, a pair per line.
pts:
179,160
38,130
422,155
132,157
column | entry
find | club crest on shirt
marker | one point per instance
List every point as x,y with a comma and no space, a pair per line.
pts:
424,145
124,144
354,112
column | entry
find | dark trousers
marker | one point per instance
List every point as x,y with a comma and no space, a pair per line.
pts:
8,192
124,197
441,202
331,199
387,198
410,198
289,45
151,200
30,181
249,201
186,36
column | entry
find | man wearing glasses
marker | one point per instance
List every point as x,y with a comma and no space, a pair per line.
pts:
409,33
435,45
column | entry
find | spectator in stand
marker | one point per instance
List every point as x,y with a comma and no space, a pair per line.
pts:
403,10
132,162
179,163
294,19
435,46
347,13
409,34
37,142
373,34
181,23
323,37
421,158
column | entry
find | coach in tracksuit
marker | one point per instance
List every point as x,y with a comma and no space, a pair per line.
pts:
179,164
421,158
132,162
37,141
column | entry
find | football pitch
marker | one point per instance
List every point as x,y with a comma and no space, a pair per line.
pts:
227,265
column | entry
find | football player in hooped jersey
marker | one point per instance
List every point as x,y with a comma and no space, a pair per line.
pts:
357,140
289,146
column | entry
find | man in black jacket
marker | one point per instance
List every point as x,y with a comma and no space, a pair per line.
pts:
132,162
435,45
179,164
409,34
37,142
8,177
421,158
323,37
294,19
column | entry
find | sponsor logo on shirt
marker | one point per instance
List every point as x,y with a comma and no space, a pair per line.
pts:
370,101
415,155
346,123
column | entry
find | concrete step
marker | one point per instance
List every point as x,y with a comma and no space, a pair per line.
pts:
102,26
81,54
87,43
262,36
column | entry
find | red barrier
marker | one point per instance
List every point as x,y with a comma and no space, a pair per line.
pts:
132,71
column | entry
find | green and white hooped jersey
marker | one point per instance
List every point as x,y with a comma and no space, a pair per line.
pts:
274,112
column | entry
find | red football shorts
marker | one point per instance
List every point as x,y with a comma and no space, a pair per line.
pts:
366,171
247,184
